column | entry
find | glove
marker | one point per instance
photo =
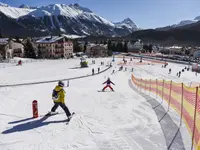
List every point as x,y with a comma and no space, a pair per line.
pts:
54,98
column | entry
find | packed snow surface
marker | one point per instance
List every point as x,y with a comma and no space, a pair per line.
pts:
120,120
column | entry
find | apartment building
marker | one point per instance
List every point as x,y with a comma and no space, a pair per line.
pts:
55,47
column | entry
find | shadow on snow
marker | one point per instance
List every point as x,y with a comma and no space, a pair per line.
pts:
23,120
30,125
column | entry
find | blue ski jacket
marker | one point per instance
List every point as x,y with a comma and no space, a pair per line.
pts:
108,82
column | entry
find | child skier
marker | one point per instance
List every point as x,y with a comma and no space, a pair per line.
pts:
58,97
19,63
108,82
170,70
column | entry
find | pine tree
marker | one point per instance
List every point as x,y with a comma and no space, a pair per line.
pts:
110,53
145,47
85,47
29,50
113,47
150,48
119,47
17,39
39,53
1,35
76,46
125,47
109,45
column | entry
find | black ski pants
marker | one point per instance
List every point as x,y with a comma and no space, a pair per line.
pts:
63,106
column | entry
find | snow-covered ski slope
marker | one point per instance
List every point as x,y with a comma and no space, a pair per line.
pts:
120,120
157,72
44,71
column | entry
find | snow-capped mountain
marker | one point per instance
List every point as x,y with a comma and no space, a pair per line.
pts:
197,18
72,11
127,23
67,19
183,23
24,6
14,12
180,24
2,4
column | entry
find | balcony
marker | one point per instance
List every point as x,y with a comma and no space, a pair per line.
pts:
59,52
59,46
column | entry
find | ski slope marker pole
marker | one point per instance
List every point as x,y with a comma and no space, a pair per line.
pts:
35,108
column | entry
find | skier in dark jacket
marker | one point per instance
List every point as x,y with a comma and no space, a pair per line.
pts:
170,70
108,84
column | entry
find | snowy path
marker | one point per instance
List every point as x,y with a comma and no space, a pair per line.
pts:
110,120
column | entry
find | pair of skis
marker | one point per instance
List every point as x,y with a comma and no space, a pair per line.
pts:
56,113
105,91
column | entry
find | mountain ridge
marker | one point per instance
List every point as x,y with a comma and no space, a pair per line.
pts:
67,19
128,23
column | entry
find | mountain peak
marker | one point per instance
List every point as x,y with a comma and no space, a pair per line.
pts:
68,19
128,23
197,18
183,23
127,20
71,10
24,6
3,4
77,6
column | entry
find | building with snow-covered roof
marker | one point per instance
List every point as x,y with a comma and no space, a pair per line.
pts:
97,50
10,48
135,46
55,47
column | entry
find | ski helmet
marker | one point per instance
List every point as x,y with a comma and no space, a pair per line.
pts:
108,78
61,83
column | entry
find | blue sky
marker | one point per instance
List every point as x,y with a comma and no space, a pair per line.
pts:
145,13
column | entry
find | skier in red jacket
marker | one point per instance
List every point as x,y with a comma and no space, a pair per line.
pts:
108,84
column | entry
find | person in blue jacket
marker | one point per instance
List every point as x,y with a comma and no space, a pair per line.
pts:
108,83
